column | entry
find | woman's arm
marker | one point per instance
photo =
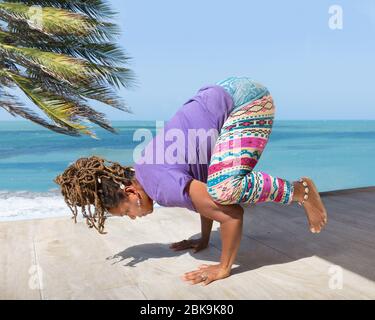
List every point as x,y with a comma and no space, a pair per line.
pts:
196,244
206,227
230,218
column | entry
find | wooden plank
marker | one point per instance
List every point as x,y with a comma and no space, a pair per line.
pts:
278,258
344,246
18,263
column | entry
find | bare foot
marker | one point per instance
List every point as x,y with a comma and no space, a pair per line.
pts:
315,211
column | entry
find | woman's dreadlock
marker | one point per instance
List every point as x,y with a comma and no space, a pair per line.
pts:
94,181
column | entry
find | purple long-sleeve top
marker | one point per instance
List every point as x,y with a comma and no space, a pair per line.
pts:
166,182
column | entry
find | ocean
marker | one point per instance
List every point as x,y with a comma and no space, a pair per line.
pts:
335,154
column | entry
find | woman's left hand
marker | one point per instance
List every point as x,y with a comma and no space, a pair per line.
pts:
206,274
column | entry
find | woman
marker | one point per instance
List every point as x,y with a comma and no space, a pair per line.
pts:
216,186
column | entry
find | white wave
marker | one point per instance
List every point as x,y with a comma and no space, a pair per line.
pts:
25,205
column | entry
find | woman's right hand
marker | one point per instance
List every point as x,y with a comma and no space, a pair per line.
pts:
196,244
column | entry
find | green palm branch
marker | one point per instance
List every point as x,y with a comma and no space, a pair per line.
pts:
62,56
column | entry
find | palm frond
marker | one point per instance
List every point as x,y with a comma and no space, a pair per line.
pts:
62,55
107,53
58,21
115,76
60,66
58,110
84,91
95,9
15,107
48,19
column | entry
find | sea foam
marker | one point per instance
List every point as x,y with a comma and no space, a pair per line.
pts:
25,205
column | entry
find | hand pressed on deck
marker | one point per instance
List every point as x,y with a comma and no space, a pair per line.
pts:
230,218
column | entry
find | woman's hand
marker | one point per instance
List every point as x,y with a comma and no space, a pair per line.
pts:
206,274
196,244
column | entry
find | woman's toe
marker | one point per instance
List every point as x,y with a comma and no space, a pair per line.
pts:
318,228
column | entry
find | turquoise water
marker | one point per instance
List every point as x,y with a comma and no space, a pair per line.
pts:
336,154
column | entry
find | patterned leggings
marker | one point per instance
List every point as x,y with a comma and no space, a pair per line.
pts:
242,139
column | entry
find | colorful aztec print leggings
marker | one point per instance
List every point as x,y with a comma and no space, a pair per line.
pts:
242,139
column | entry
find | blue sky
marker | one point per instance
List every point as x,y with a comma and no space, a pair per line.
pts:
313,72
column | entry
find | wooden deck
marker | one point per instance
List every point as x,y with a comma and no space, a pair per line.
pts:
278,259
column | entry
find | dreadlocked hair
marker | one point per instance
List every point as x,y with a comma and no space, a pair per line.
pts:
94,181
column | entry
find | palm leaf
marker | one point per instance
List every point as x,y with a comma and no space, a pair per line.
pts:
59,110
54,20
12,105
84,91
62,62
108,53
64,67
95,9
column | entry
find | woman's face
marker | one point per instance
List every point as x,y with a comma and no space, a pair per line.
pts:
137,203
